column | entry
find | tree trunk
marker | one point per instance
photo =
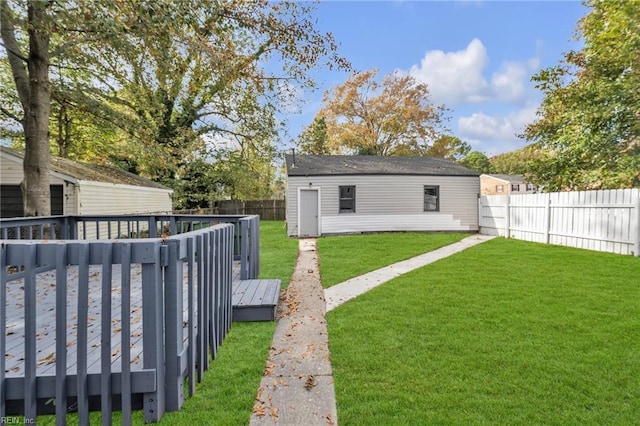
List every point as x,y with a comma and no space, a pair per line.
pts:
36,194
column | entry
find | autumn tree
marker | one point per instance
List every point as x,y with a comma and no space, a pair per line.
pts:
588,125
391,117
166,73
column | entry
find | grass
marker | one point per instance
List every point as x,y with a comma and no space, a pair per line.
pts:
347,256
278,253
507,332
227,392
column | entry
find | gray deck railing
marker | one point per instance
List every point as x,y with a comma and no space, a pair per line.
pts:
181,283
246,248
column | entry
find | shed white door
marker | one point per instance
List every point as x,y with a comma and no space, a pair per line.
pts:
308,208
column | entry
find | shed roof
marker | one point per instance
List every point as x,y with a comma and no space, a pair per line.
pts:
321,165
90,172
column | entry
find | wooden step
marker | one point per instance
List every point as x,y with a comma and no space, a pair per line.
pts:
255,300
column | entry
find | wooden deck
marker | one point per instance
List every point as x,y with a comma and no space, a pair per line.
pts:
253,300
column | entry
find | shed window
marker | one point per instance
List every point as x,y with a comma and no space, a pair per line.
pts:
431,198
347,199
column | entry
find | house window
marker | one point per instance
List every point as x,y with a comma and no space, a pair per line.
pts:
431,198
531,187
499,188
347,199
515,187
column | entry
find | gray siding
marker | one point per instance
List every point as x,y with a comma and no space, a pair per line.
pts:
390,203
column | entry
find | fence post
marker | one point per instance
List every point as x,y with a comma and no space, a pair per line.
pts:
637,230
547,218
507,217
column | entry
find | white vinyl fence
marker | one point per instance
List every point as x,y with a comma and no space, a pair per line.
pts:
607,220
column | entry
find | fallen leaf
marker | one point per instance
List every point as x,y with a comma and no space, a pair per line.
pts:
48,359
274,413
310,382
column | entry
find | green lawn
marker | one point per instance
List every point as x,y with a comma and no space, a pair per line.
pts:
507,332
226,395
347,256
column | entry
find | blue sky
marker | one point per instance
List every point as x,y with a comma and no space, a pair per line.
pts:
476,56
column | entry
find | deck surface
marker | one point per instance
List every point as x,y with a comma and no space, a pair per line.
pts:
46,320
255,300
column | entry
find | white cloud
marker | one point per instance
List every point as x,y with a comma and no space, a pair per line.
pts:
457,77
508,84
495,134
454,77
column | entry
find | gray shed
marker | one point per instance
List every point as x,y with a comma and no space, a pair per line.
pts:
334,194
80,188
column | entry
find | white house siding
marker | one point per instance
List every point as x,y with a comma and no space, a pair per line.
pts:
106,198
99,198
11,172
390,203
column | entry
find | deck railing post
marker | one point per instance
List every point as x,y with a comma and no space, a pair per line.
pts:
173,326
255,237
152,335
244,249
3,325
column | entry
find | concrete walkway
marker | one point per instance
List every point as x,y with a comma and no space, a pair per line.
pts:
345,291
297,386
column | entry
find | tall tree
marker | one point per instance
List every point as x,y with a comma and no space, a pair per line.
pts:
314,139
589,122
169,72
448,147
30,72
477,161
391,117
518,162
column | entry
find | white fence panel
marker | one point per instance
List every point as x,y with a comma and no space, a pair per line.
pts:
493,215
607,220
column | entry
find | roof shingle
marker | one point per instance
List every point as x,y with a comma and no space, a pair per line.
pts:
320,165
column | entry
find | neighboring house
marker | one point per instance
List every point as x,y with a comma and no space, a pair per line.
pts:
491,184
80,188
333,194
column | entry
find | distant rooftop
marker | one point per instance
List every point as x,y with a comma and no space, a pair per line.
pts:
90,172
320,165
508,178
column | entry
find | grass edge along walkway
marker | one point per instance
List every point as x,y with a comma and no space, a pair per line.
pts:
347,290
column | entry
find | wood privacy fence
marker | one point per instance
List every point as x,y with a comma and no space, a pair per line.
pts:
115,324
266,209
606,220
